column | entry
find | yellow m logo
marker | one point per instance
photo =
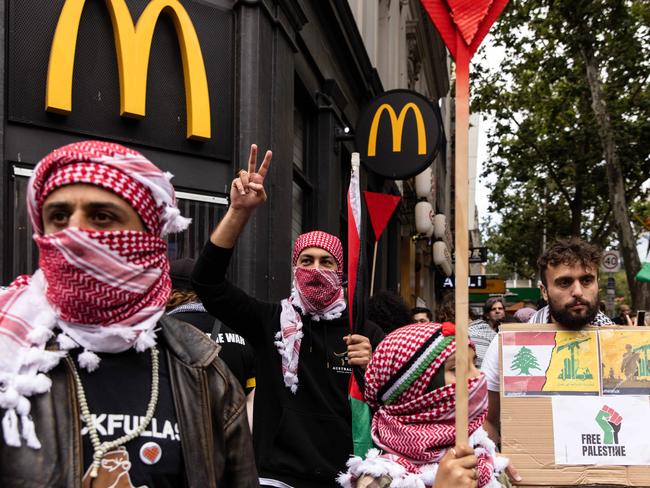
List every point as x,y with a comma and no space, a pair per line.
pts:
397,124
133,45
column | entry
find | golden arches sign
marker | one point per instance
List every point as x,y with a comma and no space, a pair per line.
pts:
397,126
133,46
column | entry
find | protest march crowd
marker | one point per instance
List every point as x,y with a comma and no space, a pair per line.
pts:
116,372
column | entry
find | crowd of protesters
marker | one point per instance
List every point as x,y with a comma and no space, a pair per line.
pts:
103,382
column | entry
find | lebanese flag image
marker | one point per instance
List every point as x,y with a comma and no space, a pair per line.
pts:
525,358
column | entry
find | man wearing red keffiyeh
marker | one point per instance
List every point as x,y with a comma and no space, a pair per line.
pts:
304,351
73,338
410,385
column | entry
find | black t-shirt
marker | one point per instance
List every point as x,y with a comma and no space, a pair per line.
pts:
238,354
118,393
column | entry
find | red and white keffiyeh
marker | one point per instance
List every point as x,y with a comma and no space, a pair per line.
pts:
413,423
316,292
101,290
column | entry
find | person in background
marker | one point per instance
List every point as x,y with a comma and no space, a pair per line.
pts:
524,314
184,304
388,311
421,315
624,316
482,331
446,310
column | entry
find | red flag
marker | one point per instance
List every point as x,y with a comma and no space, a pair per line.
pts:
469,20
462,24
380,208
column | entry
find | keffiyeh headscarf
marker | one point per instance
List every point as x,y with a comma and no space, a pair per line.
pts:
315,292
101,290
414,411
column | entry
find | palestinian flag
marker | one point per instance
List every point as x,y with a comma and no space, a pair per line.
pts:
361,415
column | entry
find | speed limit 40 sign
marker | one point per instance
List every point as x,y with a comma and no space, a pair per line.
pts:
611,262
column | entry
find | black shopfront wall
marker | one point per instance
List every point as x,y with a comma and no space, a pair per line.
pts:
30,131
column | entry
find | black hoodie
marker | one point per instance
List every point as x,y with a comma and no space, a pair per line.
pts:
301,439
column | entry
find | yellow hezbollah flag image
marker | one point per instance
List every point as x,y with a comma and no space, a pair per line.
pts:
574,364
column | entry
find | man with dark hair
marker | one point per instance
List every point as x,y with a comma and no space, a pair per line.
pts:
569,283
422,315
302,426
97,386
482,331
388,311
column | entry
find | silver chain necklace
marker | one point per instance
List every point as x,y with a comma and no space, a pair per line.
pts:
101,448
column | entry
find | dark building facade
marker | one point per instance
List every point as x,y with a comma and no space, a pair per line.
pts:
288,75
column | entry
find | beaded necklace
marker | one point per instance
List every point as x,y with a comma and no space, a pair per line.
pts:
101,448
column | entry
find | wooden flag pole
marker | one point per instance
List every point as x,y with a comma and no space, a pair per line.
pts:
374,263
461,182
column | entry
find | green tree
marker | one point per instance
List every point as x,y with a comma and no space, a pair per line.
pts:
524,361
570,146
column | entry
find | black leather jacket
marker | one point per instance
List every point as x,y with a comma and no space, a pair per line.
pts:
210,407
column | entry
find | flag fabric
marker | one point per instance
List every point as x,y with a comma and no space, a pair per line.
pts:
361,415
380,209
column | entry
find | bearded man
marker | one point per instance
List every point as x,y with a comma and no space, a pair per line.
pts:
569,283
97,387
304,350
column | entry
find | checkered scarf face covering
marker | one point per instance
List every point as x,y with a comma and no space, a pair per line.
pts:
101,290
105,278
321,240
316,292
415,425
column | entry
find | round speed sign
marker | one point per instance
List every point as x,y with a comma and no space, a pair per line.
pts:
611,262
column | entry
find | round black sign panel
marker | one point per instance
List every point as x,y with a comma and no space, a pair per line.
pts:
399,134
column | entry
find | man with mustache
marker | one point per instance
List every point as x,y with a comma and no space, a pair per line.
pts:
304,349
569,283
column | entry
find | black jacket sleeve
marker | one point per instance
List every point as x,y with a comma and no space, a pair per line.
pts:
235,308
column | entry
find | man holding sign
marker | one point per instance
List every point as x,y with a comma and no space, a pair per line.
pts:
569,283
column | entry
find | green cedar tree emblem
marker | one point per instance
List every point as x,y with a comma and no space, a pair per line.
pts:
524,361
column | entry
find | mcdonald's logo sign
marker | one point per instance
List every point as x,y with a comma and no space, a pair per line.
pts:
133,46
397,124
399,134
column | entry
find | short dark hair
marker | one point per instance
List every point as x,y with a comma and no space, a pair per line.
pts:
446,309
569,252
489,303
417,310
388,310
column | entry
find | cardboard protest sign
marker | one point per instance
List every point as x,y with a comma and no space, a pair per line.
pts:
564,436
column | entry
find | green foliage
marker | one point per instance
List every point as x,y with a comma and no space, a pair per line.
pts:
545,149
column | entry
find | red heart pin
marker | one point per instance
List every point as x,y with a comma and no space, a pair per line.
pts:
468,19
151,453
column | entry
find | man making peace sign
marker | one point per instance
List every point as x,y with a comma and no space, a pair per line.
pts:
301,421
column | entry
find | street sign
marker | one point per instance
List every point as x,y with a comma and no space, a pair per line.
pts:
611,262
473,282
495,286
478,254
